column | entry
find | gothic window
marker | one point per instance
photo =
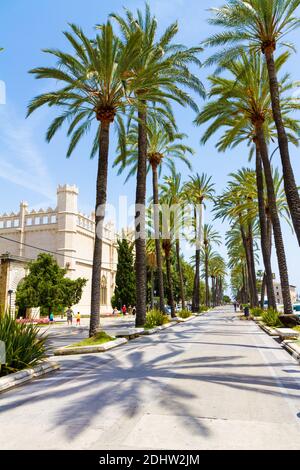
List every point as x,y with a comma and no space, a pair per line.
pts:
103,296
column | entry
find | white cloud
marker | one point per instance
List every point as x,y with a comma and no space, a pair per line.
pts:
21,162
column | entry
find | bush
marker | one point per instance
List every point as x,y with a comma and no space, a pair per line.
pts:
24,347
185,314
257,311
203,308
155,318
271,318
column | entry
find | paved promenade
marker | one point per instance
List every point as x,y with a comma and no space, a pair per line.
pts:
212,383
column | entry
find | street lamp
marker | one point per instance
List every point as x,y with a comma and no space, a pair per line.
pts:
10,293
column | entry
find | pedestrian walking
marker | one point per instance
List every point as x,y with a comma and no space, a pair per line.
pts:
247,312
51,318
129,310
70,315
78,316
133,310
124,310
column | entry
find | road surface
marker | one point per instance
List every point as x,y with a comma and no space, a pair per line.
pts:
214,382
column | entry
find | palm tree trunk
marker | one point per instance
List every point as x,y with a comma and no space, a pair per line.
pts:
290,186
248,263
280,251
196,300
252,264
152,288
157,239
263,289
264,237
182,293
170,280
206,279
140,239
101,190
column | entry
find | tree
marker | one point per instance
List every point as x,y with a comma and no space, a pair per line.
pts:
46,286
242,105
161,70
125,277
210,237
95,85
163,148
197,191
260,26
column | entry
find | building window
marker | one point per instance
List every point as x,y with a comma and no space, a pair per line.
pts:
103,292
1,224
45,219
37,221
29,221
8,224
16,223
53,219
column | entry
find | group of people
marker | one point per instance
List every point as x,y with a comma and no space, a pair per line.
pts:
125,311
70,316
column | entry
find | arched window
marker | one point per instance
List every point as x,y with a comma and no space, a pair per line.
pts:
103,295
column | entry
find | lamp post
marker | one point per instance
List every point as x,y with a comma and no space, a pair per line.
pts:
10,293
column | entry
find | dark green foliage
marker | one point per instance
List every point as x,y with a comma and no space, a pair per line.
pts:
125,293
271,318
155,318
47,287
24,347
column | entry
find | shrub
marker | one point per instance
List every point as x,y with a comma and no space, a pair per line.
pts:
257,311
203,308
24,346
155,318
271,318
185,314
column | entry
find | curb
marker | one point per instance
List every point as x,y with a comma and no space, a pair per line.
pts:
295,352
67,351
18,378
270,331
157,329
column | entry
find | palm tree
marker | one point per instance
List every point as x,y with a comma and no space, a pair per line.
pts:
95,86
260,26
173,187
161,70
242,103
238,205
152,264
163,148
210,237
197,191
217,272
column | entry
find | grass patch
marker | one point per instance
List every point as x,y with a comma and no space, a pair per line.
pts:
184,314
271,318
203,308
99,338
155,318
297,328
256,311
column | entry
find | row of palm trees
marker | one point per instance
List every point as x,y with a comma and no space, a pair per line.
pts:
131,79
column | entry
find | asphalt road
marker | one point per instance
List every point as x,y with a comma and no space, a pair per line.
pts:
212,383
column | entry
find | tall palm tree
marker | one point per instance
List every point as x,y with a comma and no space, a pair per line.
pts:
238,205
161,70
197,191
163,148
210,237
243,102
217,272
95,86
173,187
260,26
152,264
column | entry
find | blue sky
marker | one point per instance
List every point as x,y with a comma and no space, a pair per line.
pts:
31,169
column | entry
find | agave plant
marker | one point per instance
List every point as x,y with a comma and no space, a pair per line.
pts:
25,346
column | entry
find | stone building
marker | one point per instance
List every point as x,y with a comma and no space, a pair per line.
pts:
278,293
67,234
